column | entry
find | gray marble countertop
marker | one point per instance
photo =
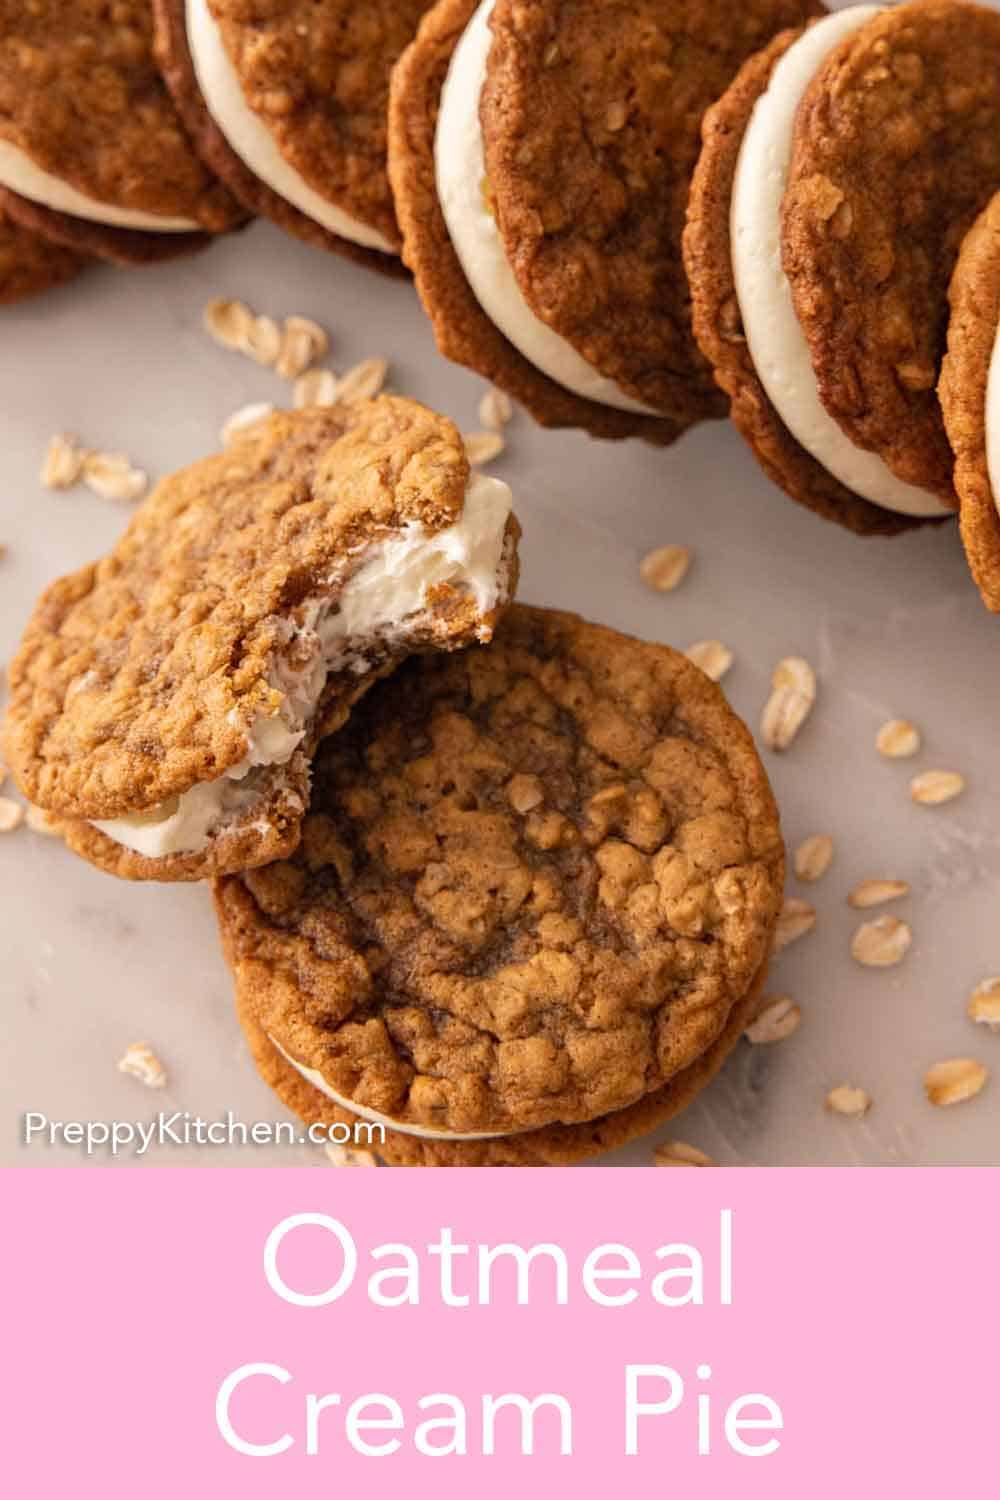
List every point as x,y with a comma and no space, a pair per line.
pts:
894,628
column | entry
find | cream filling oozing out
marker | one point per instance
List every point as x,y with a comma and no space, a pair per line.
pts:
425,1132
774,337
383,602
460,169
250,139
23,176
993,422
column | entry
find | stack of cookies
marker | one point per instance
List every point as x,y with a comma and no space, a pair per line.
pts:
499,880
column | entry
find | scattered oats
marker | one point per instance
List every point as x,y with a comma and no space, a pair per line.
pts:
11,814
898,739
302,343
40,821
140,1061
363,381
315,388
814,856
680,1154
112,476
712,657
933,787
349,1156
776,1019
261,340
881,943
876,892
793,693
797,918
954,1080
242,420
228,322
846,1100
665,568
62,464
616,115
495,409
482,447
984,1003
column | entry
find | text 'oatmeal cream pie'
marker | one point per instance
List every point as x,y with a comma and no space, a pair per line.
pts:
838,175
92,152
165,701
287,103
535,885
540,152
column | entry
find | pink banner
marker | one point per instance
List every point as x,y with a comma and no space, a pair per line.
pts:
783,1333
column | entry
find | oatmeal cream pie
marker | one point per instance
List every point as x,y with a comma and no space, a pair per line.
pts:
540,153
92,152
535,884
30,264
970,397
287,102
165,702
837,173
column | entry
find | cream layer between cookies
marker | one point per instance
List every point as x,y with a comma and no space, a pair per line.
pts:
385,602
23,176
248,136
460,168
425,1132
774,337
993,422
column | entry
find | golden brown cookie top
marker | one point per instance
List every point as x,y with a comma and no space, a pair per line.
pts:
972,333
318,77
533,883
140,675
897,149
29,264
80,94
591,117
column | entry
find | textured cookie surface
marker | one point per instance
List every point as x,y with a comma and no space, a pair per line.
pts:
591,116
30,264
323,93
80,94
463,331
534,881
972,332
897,149
716,312
139,675
549,1146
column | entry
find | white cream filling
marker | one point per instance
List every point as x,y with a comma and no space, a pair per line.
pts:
460,168
425,1132
774,337
386,600
21,175
993,422
250,138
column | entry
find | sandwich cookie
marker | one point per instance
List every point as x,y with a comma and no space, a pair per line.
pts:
166,701
287,102
30,264
540,152
534,884
92,152
745,315
970,397
896,151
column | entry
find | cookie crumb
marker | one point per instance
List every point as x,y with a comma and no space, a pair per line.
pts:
482,447
796,919
876,892
793,695
898,739
363,381
140,1061
315,388
243,419
665,568
303,342
349,1156
954,1080
495,409
777,1018
63,463
846,1100
934,787
813,857
984,1003
680,1154
11,814
711,657
881,943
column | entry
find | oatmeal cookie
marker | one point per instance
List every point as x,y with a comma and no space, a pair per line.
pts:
165,700
965,380
897,149
30,264
533,883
